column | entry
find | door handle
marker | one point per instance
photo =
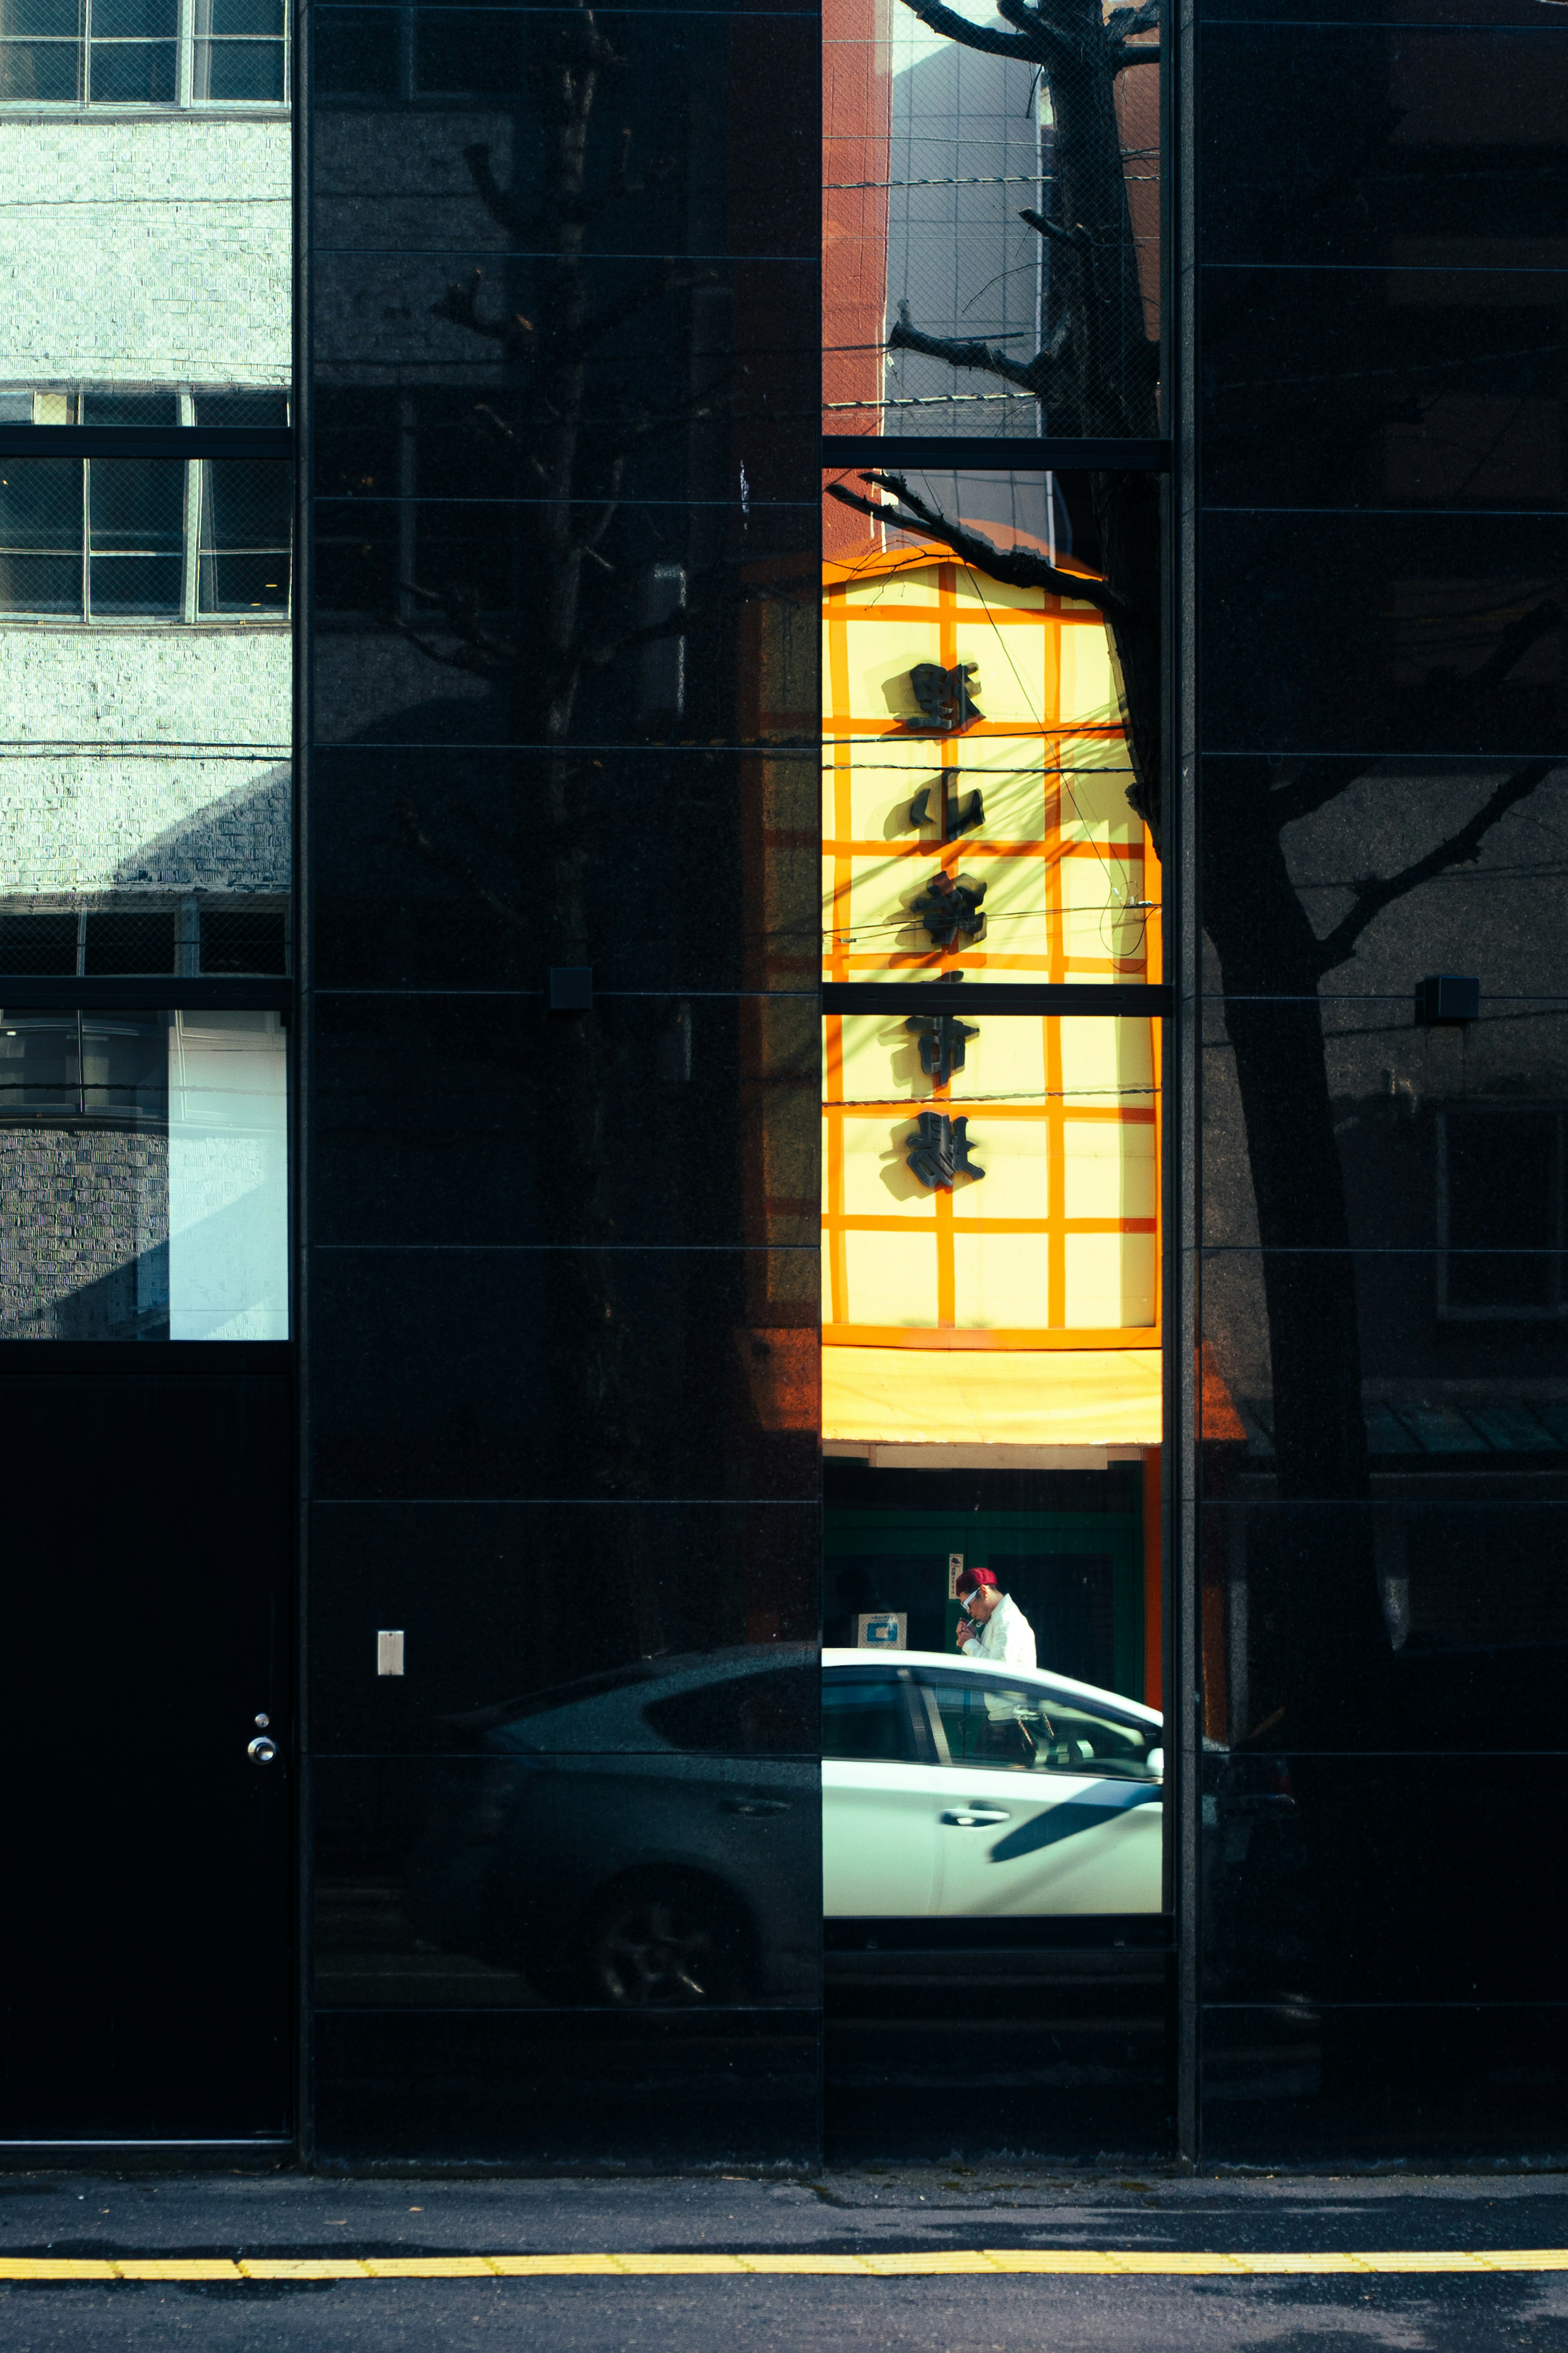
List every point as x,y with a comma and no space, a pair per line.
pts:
261,1751
971,1817
755,1806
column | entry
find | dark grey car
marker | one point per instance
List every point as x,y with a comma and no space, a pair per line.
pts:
646,1836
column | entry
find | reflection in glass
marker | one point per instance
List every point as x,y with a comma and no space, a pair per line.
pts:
951,1788
144,1153
617,1840
1018,799
968,168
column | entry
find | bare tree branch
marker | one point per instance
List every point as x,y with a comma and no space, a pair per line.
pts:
460,304
1123,22
1461,848
1077,237
1018,566
903,337
973,36
1515,642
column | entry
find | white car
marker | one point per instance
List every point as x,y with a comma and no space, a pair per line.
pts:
955,1787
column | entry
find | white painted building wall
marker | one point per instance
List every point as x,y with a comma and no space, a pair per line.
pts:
143,248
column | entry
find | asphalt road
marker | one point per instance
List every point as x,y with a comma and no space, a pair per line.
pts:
865,2210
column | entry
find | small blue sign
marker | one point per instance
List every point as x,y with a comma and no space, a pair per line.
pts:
882,1629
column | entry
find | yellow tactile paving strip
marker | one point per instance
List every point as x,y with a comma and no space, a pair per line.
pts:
944,2262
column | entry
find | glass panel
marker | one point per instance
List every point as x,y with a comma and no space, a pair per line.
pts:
981,803
136,531
996,1175
967,169
138,586
235,404
118,20
40,504
244,939
135,506
131,943
229,1206
40,1054
135,73
120,404
46,71
40,20
39,943
149,1150
40,536
1041,1728
247,512
239,70
228,17
865,1720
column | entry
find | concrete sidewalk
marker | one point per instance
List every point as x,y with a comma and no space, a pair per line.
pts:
941,2213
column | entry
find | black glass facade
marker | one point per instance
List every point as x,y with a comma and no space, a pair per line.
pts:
1374,794
476,1108
559,1364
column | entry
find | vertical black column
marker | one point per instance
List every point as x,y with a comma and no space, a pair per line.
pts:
1382,1459
562,1302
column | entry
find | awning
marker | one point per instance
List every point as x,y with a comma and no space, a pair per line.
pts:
1010,1410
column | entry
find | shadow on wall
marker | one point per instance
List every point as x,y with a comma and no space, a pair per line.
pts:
239,842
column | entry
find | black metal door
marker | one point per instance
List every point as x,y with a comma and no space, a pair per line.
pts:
146,1963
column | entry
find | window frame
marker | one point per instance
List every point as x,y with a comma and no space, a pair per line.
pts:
186,40
931,1678
899,1679
195,508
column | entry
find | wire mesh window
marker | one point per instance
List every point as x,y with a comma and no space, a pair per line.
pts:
38,943
991,258
131,943
143,1160
243,939
41,527
191,938
135,539
148,539
135,53
245,523
241,51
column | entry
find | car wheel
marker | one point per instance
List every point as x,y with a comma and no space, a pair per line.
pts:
664,1946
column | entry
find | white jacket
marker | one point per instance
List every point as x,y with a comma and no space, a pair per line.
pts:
1006,1639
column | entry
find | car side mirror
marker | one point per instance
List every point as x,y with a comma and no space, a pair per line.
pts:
1157,1763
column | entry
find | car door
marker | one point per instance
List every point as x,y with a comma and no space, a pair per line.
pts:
1051,1805
879,1804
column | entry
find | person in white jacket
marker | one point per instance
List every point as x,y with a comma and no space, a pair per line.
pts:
994,1629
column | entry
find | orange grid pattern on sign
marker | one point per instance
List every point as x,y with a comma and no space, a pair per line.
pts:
957,1276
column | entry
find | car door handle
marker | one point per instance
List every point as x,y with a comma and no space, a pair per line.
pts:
755,1806
974,1817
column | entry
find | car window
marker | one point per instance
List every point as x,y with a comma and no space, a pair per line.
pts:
1027,1728
742,1716
863,1717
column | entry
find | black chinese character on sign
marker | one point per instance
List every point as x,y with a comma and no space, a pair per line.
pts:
960,814
949,904
942,1038
944,697
938,1152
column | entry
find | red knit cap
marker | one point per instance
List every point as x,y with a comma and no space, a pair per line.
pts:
974,1578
